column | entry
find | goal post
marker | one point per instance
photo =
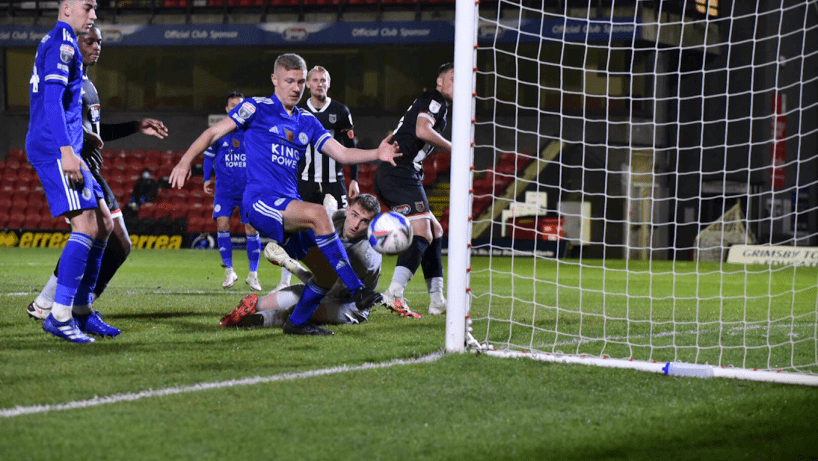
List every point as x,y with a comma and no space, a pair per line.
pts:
606,156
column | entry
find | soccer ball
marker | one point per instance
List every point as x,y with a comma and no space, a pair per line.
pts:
389,233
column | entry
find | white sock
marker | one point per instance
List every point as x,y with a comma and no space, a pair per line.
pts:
46,297
61,312
435,286
400,278
286,276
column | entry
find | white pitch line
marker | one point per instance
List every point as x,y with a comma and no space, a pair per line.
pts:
116,398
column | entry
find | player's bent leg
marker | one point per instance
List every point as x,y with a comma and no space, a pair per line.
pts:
276,255
299,322
273,310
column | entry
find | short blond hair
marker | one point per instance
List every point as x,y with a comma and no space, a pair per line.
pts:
290,61
319,69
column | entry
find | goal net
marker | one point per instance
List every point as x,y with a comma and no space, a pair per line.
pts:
606,158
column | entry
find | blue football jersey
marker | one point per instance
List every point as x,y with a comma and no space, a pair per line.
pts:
274,143
229,161
58,61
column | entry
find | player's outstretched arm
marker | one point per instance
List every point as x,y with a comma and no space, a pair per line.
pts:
181,172
385,152
153,127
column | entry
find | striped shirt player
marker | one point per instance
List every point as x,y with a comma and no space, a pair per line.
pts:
400,187
320,174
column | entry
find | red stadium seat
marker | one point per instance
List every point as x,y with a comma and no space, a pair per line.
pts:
17,154
32,221
16,219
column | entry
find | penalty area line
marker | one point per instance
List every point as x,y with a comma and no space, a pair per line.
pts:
131,396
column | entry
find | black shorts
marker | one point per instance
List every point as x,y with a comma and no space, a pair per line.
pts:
400,190
314,192
110,199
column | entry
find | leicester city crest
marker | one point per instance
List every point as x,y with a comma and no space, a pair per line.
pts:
302,138
86,193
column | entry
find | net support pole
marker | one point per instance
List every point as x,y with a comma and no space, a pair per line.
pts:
459,199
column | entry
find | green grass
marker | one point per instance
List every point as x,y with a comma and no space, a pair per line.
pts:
458,407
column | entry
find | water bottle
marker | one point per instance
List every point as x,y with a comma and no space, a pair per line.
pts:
688,370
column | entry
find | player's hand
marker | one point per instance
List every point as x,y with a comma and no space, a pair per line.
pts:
208,187
180,174
72,166
152,127
387,152
93,139
354,189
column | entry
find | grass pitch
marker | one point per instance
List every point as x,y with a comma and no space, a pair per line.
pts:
168,304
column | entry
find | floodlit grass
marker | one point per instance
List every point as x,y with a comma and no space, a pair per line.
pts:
751,317
168,304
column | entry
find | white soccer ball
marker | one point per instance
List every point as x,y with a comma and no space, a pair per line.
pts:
389,233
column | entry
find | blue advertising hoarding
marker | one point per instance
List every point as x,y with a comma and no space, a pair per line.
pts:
339,33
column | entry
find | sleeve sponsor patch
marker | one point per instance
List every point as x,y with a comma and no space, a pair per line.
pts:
246,110
434,107
66,53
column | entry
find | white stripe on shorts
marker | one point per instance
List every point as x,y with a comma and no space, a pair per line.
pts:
267,210
71,194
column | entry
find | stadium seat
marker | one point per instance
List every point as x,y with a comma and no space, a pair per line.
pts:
16,219
148,209
18,155
429,176
442,161
32,221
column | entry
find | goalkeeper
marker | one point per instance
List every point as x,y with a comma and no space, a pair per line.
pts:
338,306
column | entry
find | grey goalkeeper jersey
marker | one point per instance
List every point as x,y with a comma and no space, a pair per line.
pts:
366,262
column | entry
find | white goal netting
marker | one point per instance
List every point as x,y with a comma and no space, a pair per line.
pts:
619,149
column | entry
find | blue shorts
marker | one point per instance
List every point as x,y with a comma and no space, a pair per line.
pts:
62,197
264,214
296,245
225,202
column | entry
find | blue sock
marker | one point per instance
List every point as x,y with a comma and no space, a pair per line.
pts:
225,247
333,249
89,278
308,304
253,251
72,267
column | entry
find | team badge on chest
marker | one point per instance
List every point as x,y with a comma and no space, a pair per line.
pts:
333,118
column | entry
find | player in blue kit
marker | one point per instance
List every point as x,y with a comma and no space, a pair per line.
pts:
96,133
276,137
55,136
227,154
